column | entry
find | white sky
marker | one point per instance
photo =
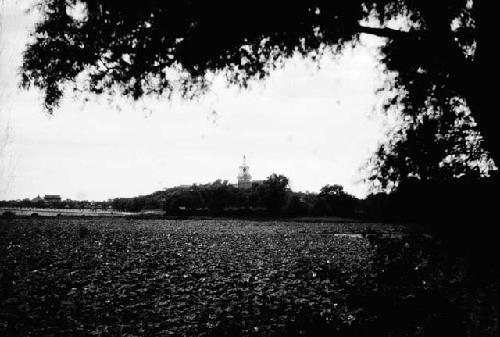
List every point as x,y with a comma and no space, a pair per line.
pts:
317,127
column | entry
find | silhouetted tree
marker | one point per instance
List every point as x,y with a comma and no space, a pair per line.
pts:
333,200
430,146
272,193
439,53
218,196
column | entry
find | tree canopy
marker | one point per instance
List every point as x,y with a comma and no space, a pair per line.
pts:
438,51
435,145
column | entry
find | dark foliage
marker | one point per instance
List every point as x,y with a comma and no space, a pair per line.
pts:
272,194
430,146
451,201
332,199
272,197
68,203
156,47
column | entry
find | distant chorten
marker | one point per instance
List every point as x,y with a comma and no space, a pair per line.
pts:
244,177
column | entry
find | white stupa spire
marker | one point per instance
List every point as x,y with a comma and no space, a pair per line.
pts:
244,177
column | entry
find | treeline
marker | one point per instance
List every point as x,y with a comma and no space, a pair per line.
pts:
68,203
272,197
457,200
435,202
430,201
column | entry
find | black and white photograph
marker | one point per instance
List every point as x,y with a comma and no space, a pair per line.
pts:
249,168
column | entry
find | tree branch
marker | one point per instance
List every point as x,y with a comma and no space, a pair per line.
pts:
387,32
461,33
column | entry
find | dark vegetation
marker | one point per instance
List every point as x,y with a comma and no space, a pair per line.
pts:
271,198
233,278
434,202
67,203
436,60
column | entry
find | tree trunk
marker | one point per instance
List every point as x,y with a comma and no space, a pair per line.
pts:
484,98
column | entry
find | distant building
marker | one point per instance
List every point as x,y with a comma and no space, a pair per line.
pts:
245,179
52,198
37,199
95,206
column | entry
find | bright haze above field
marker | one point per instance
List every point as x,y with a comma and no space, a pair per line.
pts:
317,127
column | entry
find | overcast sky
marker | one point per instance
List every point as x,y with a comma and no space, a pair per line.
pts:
317,127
